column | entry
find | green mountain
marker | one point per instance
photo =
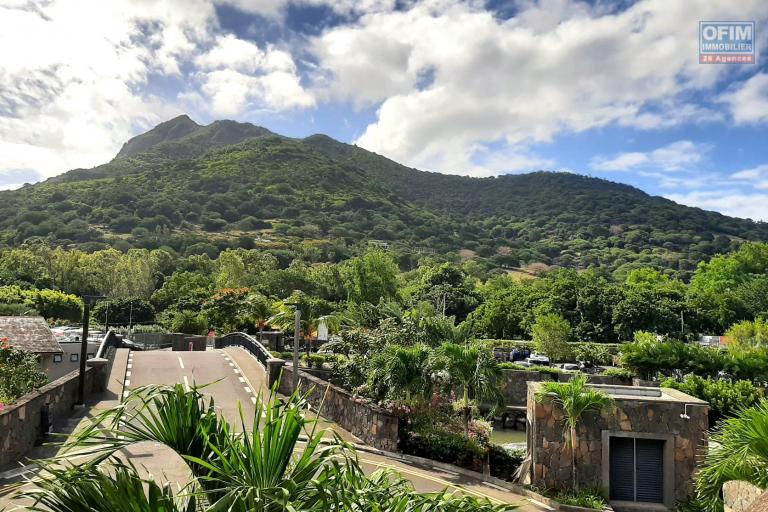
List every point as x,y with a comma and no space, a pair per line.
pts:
199,189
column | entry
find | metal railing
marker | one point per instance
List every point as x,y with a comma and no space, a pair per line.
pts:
246,341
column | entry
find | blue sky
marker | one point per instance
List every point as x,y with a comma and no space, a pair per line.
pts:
608,89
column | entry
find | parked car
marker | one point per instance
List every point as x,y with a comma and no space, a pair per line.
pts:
571,367
537,360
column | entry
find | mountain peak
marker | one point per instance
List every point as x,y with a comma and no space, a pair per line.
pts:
173,129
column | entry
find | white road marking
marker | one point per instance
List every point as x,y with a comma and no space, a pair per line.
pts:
130,366
186,383
253,400
232,365
181,363
127,383
241,380
236,370
128,373
126,393
247,390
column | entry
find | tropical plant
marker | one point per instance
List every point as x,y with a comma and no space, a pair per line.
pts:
575,398
402,372
19,372
260,467
469,370
738,451
259,309
725,398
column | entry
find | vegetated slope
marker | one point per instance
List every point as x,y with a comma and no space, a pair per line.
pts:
198,188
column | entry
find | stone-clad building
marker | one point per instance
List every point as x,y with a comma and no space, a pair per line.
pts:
642,452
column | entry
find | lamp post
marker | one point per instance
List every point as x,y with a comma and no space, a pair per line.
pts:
296,332
88,301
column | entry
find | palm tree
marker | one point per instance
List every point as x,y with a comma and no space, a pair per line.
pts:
575,398
402,370
472,370
259,310
234,469
311,319
738,451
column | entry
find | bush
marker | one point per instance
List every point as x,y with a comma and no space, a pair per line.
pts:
587,498
189,322
725,398
598,353
19,372
313,360
551,333
444,446
621,373
504,462
512,366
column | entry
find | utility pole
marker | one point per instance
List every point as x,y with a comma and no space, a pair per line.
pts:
296,333
88,300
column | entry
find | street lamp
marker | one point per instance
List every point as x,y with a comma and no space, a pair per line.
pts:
296,331
88,301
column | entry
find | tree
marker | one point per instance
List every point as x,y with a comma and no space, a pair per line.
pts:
551,334
53,304
402,372
371,277
314,311
259,309
449,289
738,451
269,467
575,399
746,334
471,371
19,372
125,311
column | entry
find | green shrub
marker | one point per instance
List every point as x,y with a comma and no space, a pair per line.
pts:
598,353
621,373
551,334
587,498
724,397
504,462
18,310
512,366
288,356
19,372
444,446
54,304
313,360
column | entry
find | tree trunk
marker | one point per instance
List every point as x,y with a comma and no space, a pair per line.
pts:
467,411
574,447
261,333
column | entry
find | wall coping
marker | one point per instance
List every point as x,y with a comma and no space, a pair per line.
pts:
25,399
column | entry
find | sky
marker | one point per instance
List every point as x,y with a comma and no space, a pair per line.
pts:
611,89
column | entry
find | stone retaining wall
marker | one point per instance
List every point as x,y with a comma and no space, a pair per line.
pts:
739,496
373,425
20,423
514,383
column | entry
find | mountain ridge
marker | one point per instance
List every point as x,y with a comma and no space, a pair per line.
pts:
201,188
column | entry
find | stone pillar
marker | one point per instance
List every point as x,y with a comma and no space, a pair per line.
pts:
274,369
100,373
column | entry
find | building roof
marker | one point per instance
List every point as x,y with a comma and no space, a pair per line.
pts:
30,333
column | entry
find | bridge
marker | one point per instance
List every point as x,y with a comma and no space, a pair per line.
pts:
236,374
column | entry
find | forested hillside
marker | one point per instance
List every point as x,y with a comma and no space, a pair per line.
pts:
201,189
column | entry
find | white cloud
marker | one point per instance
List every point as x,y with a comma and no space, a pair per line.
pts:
734,203
556,67
676,156
750,174
748,100
237,75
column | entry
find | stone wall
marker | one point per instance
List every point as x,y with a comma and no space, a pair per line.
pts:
373,425
655,417
20,423
514,383
739,496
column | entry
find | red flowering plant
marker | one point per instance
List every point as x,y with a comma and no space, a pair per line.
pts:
19,372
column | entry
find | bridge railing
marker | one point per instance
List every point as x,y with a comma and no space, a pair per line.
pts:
246,341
